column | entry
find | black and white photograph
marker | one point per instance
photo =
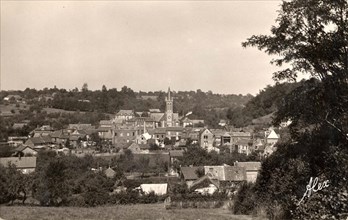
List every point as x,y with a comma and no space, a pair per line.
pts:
173,109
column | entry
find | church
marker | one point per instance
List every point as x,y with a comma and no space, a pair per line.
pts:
168,118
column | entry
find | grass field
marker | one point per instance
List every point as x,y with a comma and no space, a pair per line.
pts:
127,212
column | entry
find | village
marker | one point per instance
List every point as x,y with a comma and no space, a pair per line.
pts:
162,138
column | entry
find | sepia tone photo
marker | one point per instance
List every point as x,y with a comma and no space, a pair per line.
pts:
126,109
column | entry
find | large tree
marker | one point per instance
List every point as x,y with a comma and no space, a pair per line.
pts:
311,38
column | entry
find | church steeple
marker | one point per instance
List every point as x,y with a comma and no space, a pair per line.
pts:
169,98
169,109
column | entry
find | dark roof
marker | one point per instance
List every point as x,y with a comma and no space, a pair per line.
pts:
59,134
218,132
156,116
189,173
244,142
41,140
158,131
204,180
21,148
21,163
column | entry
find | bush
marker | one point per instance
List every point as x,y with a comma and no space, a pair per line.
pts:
245,200
76,201
95,198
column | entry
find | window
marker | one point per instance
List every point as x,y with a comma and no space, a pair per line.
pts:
121,134
205,136
133,133
115,134
127,134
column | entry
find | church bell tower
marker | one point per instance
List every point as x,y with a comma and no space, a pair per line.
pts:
169,109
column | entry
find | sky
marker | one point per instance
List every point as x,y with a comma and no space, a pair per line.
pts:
144,45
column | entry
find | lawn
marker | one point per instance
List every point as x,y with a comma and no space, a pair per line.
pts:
140,211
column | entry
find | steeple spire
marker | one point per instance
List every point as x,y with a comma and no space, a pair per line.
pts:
168,93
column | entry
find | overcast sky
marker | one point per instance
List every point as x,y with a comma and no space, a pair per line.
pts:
145,45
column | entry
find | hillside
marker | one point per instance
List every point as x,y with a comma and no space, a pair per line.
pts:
262,107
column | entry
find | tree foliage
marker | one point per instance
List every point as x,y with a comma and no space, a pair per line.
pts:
311,37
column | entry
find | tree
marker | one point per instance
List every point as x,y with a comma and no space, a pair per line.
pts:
51,185
312,38
84,87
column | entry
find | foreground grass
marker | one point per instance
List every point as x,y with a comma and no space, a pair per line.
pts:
140,211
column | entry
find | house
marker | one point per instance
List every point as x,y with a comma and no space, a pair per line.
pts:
223,177
206,140
272,137
105,133
226,173
38,142
218,134
16,141
105,124
174,133
124,115
243,146
192,134
75,140
235,136
44,130
186,122
226,139
158,134
110,173
142,122
157,188
23,151
124,134
59,137
205,185
190,174
222,123
25,164
251,168
143,138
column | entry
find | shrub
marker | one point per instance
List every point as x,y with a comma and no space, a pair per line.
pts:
245,200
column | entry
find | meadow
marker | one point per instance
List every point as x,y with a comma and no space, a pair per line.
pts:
123,212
